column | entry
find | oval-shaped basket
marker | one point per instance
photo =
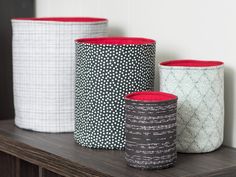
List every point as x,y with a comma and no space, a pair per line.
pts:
44,69
199,86
150,129
107,69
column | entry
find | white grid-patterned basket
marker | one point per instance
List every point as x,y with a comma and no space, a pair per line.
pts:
44,70
199,86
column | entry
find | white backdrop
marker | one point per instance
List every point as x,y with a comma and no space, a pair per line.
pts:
198,29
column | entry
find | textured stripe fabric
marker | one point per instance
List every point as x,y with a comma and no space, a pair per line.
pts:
200,118
104,74
44,71
150,134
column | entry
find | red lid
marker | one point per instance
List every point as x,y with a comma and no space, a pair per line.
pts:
116,40
65,19
150,96
191,63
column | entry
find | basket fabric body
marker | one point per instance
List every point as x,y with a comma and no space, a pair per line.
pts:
104,74
44,71
150,134
200,115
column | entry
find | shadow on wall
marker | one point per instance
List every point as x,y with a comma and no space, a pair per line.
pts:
229,105
115,31
15,8
160,57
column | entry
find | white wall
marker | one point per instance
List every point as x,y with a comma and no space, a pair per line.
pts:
199,29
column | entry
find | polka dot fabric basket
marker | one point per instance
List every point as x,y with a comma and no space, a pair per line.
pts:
150,129
44,69
199,86
107,69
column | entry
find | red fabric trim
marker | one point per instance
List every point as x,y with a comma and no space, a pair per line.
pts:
191,63
65,19
153,96
116,40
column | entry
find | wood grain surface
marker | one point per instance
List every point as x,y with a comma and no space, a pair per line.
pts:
28,169
59,153
47,173
8,165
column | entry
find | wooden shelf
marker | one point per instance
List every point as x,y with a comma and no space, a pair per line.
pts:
59,156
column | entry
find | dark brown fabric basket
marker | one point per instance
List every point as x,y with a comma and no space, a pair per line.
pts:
150,129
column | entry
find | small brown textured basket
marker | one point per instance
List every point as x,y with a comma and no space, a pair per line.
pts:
150,129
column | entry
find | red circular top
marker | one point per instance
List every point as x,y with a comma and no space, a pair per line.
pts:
191,63
65,19
116,40
150,96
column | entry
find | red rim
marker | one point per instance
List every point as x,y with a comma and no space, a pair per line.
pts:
191,63
150,96
116,41
65,19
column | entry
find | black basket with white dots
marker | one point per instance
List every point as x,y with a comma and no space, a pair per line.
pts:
106,70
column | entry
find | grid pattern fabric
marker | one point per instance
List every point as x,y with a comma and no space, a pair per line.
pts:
200,113
44,72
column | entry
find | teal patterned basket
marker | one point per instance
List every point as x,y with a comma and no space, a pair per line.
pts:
199,86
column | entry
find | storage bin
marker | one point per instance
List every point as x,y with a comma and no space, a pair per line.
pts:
150,129
199,86
44,69
106,70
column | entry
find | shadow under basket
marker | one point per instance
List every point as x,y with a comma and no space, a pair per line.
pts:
150,129
199,86
113,67
44,69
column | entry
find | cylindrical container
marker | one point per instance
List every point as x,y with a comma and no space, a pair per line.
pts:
107,69
150,129
199,86
44,70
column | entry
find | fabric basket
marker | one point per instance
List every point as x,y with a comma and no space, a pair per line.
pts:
199,86
150,130
44,69
106,70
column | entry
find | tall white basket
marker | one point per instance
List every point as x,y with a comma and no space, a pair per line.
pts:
44,69
199,86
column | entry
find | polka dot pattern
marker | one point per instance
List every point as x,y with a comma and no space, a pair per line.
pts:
105,73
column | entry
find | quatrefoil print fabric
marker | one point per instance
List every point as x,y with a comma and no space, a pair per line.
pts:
200,113
105,73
